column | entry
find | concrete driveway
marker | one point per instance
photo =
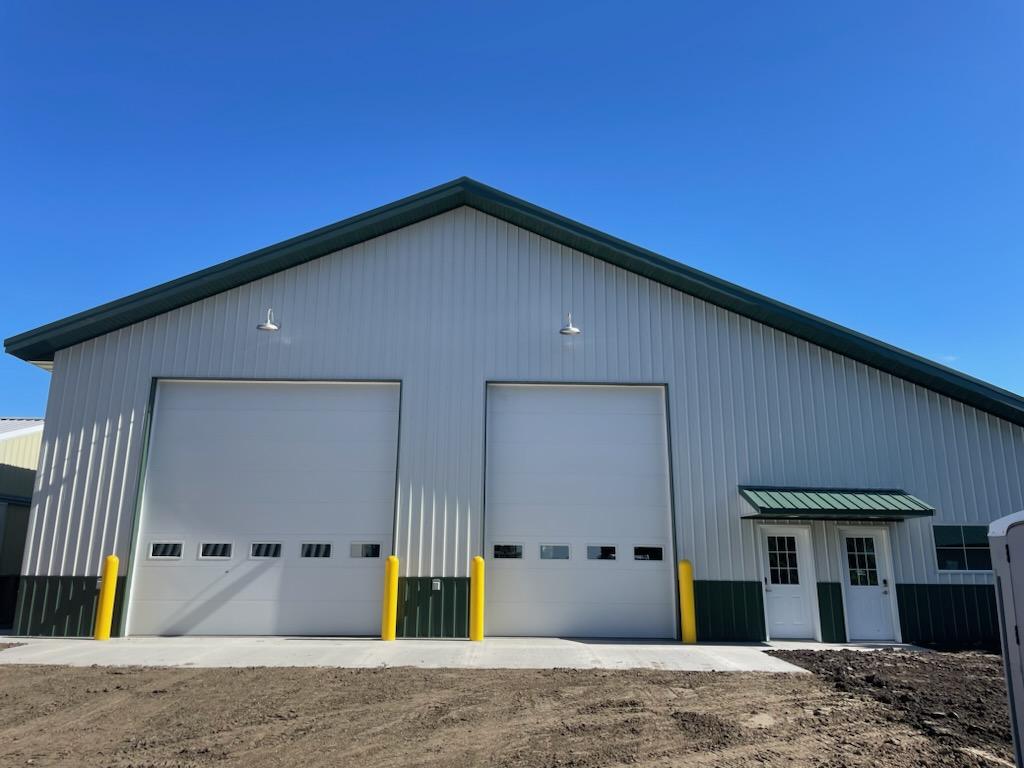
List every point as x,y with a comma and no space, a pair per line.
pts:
492,653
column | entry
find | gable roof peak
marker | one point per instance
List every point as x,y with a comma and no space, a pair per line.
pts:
39,345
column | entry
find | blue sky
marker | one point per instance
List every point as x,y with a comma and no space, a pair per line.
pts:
863,161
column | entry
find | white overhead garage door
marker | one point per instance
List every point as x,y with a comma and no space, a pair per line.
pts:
577,525
267,510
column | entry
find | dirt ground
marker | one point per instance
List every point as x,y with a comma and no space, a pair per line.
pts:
536,719
957,699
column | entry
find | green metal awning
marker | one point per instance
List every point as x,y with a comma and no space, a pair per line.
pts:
832,504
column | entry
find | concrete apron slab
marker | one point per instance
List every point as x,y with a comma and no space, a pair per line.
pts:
492,653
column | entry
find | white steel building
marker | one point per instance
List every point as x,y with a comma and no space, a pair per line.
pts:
419,390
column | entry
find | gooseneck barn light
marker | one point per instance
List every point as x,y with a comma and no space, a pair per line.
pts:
569,329
269,325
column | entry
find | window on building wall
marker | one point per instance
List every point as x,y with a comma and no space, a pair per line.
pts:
600,552
165,550
647,553
364,550
264,550
554,551
215,550
316,549
962,547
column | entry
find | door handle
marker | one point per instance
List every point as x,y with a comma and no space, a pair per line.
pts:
766,587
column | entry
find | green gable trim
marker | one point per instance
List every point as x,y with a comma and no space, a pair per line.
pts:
39,345
832,504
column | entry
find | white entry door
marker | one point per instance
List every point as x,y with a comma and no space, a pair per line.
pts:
788,581
578,525
268,509
867,586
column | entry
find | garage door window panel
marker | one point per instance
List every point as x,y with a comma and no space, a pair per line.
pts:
265,550
600,552
316,550
648,553
363,549
508,551
554,551
165,550
216,550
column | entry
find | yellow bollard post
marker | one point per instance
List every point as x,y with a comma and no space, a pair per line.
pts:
389,610
105,602
687,612
476,599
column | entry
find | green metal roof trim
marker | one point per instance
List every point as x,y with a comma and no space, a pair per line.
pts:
39,345
832,504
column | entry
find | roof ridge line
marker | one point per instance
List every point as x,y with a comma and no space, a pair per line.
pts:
40,344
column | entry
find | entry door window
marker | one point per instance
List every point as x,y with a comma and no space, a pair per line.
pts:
861,560
782,565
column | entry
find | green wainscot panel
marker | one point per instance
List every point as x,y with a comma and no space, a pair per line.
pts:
830,609
729,611
949,615
426,612
62,606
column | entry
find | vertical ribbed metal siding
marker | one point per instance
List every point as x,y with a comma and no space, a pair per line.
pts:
454,301
21,450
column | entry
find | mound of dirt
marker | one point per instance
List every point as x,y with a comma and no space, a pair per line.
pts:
956,699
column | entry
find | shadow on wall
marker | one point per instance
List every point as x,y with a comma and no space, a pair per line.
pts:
14,527
16,481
